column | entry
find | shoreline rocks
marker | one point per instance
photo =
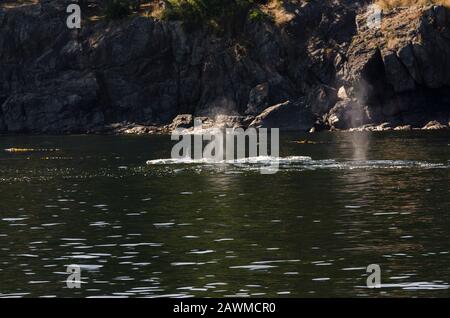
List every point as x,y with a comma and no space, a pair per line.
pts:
434,125
209,124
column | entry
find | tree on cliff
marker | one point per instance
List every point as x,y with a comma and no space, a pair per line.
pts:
119,8
224,15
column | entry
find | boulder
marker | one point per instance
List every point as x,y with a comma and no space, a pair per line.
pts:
347,114
342,93
137,130
383,127
226,121
403,128
434,125
182,122
285,116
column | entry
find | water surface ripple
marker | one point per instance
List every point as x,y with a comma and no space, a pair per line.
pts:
141,225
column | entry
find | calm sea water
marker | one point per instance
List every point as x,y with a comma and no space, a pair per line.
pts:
339,203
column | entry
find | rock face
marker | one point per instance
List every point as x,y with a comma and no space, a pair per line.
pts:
71,108
285,116
400,69
258,99
347,114
315,66
321,99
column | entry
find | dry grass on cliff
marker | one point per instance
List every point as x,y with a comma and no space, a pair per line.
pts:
276,9
9,4
390,4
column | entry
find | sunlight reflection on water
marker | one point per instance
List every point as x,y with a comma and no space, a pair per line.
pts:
197,229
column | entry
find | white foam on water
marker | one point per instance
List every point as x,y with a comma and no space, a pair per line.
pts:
90,267
253,267
303,163
248,160
13,219
416,286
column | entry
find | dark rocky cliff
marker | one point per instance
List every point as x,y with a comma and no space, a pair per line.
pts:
318,65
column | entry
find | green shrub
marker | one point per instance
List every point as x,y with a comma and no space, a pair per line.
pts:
226,15
256,15
135,5
116,9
